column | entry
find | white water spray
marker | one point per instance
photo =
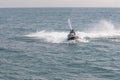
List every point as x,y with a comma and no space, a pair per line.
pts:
69,23
102,29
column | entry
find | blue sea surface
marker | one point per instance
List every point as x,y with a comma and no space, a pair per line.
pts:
34,46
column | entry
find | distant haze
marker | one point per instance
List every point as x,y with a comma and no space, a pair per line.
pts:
59,3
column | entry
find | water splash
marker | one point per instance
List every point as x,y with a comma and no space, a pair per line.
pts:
50,36
103,26
101,29
53,36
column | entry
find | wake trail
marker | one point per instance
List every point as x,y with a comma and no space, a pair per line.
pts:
102,29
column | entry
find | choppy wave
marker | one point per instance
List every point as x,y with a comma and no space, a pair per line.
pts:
101,29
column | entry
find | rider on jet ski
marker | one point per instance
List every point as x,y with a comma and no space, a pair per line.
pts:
72,35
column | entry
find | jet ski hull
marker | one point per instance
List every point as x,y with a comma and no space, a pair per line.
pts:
72,38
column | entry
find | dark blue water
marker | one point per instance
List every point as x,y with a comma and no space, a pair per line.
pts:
33,44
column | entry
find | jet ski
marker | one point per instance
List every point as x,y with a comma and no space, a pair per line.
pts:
72,35
72,38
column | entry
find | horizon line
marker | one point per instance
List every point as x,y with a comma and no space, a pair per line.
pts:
65,7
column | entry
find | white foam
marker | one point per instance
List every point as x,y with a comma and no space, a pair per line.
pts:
50,36
101,29
53,36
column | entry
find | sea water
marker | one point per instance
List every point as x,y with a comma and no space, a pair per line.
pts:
34,46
